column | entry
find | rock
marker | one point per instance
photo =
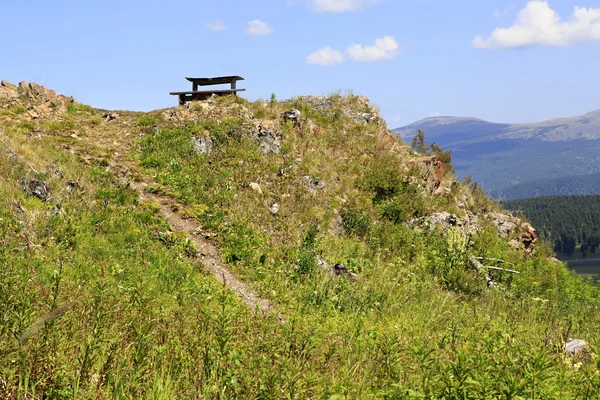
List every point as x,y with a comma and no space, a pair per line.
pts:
336,269
430,170
73,185
36,188
319,103
274,208
292,115
575,346
504,223
285,171
314,184
256,187
268,136
110,116
202,144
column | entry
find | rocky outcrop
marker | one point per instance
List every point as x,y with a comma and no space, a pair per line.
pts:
356,108
37,101
526,239
430,170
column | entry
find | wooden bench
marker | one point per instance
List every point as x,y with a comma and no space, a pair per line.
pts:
198,95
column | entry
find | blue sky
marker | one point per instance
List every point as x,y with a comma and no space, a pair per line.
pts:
503,61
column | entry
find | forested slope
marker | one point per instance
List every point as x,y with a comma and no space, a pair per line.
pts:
564,220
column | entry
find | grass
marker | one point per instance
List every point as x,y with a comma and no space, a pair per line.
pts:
102,300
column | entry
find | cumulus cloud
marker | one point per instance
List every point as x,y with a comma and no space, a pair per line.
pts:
539,25
384,48
258,28
337,6
217,26
325,56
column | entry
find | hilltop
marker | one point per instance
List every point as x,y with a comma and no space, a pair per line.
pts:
282,249
502,155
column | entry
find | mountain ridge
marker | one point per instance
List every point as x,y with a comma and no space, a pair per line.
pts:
501,155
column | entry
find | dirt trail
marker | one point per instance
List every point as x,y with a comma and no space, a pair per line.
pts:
116,144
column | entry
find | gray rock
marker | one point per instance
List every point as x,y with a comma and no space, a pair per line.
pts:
575,346
110,116
36,188
292,115
268,136
314,184
202,144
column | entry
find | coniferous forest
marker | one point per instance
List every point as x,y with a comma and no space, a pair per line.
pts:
567,221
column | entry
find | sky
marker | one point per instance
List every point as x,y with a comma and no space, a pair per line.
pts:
502,61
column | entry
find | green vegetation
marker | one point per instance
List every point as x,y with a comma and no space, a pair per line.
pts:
101,300
146,120
61,125
569,222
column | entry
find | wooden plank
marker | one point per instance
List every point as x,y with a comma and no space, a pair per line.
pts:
232,91
218,80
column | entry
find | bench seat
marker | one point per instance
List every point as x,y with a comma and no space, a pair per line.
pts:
197,95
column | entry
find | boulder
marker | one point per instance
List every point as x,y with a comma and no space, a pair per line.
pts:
575,346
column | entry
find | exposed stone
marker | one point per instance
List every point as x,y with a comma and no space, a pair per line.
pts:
274,208
336,269
110,116
575,346
37,100
314,184
73,185
36,188
430,170
292,115
505,224
268,135
202,144
256,187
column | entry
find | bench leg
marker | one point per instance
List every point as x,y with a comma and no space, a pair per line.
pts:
181,99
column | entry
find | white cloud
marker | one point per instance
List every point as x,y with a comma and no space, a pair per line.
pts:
337,6
435,114
217,26
384,48
258,28
325,56
539,25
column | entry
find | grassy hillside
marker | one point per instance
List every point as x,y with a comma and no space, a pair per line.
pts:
106,293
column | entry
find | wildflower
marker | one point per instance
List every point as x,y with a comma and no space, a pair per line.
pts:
105,202
47,229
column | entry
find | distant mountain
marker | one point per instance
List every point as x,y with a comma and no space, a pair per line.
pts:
503,155
568,185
